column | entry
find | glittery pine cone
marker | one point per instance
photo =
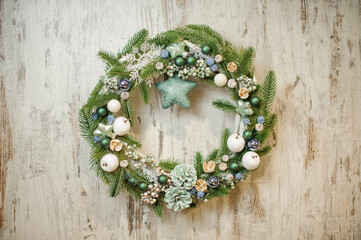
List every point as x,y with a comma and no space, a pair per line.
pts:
184,176
177,198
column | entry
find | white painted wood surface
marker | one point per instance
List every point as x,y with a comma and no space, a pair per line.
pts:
309,187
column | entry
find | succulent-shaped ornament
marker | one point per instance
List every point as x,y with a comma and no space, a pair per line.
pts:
244,108
177,198
176,49
104,131
184,176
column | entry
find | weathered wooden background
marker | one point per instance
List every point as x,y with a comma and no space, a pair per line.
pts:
309,187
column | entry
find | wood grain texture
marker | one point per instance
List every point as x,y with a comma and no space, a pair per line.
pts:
309,187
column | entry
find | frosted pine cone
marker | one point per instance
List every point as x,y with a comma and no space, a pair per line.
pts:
184,176
177,198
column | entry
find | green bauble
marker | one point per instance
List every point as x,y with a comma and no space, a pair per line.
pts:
247,134
179,61
206,49
191,61
102,112
162,179
132,181
143,186
234,166
104,142
255,101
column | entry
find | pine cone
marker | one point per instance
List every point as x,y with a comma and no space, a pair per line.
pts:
184,176
177,198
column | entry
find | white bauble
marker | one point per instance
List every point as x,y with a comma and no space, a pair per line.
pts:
250,160
121,126
220,79
113,106
109,162
235,142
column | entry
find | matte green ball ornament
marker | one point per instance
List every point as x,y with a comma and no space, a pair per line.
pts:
255,101
179,61
102,112
191,61
132,181
234,166
104,142
206,49
162,179
143,186
247,135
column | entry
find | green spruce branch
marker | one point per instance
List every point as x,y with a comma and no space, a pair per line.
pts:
117,182
198,163
267,93
168,164
132,141
223,149
217,192
263,151
128,112
212,156
144,91
224,105
135,41
245,66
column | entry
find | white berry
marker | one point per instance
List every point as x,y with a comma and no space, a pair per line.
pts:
113,106
121,126
109,162
235,143
250,160
220,79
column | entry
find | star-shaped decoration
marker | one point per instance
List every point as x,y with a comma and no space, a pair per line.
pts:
104,131
244,108
176,49
175,90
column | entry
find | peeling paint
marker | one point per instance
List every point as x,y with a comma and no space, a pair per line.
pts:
7,150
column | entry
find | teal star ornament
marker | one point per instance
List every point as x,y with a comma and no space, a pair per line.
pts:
176,49
175,90
244,108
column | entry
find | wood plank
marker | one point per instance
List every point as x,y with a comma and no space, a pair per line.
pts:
309,187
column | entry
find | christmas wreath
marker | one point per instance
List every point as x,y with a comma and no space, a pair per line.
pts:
194,52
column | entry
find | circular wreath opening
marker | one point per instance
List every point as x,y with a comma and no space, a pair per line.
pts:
183,55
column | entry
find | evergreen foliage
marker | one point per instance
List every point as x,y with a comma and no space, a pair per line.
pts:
117,182
223,149
267,93
224,105
135,41
168,164
198,163
144,92
212,156
219,191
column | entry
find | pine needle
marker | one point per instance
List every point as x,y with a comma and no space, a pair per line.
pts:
144,92
223,149
224,105
168,165
267,93
116,183
197,163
